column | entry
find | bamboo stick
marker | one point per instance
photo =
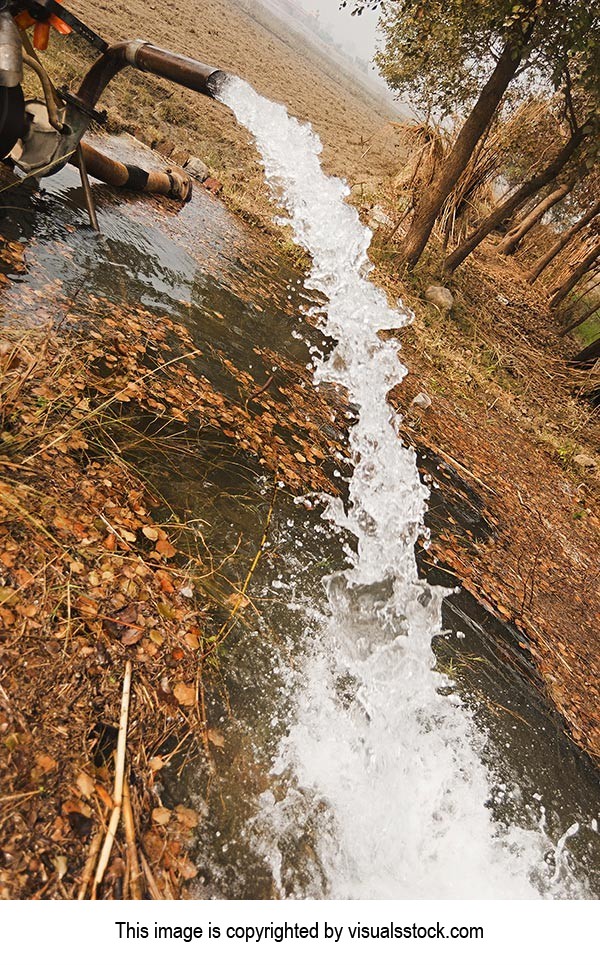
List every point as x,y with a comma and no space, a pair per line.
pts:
118,786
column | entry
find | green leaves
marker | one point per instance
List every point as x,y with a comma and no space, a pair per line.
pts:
440,53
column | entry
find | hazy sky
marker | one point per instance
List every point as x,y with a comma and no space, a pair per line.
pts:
357,33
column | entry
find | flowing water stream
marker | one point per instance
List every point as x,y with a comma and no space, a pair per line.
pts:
390,764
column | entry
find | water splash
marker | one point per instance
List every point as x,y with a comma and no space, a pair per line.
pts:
382,792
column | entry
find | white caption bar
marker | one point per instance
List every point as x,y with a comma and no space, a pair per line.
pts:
428,932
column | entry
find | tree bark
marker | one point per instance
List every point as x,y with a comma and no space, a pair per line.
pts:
587,289
562,242
516,199
589,354
581,319
430,204
582,268
513,238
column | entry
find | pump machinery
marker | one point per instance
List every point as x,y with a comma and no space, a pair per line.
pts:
39,135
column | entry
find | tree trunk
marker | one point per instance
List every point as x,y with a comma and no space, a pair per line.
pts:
587,289
430,204
580,320
562,242
513,238
516,199
589,354
582,268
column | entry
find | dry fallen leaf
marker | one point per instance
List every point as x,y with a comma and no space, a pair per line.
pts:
76,807
45,763
161,816
186,868
85,784
60,863
215,737
165,583
150,533
165,548
24,577
105,796
86,606
132,635
237,601
187,817
184,694
191,640
121,620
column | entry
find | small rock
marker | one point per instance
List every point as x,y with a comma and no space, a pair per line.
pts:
378,218
586,462
165,147
422,400
440,296
197,168
85,784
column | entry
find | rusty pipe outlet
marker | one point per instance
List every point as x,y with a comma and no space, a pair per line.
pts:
80,111
154,60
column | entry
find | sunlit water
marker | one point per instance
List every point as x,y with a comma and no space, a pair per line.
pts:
381,762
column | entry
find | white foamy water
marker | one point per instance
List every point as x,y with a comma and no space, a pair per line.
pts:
385,794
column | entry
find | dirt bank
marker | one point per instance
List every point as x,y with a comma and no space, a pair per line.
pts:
510,435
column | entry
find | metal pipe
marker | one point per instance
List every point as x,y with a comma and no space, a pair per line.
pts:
104,168
46,83
172,182
137,53
89,199
79,111
181,70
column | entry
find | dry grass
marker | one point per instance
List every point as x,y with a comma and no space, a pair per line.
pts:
96,573
83,589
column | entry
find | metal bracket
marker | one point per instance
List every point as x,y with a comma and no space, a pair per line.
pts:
69,98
